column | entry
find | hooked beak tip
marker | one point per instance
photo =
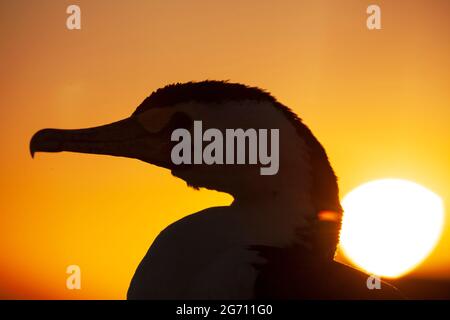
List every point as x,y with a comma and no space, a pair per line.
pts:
32,146
44,140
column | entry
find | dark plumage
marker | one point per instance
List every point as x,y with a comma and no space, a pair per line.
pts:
292,273
324,187
271,242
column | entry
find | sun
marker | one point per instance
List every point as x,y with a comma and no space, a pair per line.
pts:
390,226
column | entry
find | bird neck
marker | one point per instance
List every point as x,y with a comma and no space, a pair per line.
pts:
278,219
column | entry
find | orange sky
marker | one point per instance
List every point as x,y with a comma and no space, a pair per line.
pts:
377,100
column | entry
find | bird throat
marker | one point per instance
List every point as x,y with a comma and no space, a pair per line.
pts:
280,221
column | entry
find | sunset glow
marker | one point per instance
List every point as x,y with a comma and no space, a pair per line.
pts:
377,100
390,226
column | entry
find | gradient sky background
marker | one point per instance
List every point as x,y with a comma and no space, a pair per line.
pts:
377,100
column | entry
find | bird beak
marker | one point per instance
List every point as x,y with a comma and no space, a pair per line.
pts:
125,138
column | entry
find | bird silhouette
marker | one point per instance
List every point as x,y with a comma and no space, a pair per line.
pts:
278,237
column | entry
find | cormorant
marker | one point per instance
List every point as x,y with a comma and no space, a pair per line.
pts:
278,237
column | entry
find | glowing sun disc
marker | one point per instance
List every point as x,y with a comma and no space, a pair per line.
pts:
390,226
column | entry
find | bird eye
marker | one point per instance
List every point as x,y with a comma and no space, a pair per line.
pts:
179,120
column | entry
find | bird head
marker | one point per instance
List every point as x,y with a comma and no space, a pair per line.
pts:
146,135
